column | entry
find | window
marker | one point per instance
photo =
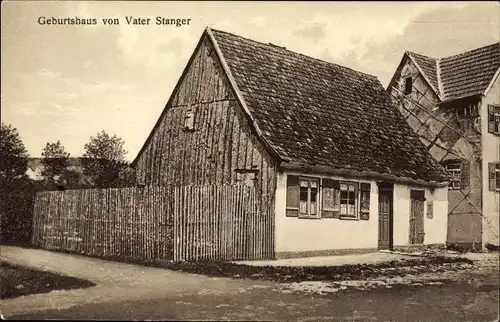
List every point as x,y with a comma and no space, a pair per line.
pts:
494,119
408,85
308,197
497,175
494,176
189,119
246,176
454,168
348,198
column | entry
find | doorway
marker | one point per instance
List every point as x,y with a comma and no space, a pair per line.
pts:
417,200
385,215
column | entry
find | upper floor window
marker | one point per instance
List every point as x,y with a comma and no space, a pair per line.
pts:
408,85
494,176
189,119
455,170
494,119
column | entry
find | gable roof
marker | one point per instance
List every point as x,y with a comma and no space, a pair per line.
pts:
315,113
463,75
319,113
428,67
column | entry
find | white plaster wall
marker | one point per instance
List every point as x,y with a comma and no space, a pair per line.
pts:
295,235
401,215
435,229
491,153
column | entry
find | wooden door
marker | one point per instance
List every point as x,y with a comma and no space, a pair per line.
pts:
385,218
417,200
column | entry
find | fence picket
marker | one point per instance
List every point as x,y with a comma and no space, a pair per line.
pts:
169,222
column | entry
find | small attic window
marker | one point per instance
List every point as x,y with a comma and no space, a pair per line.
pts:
408,85
189,119
246,176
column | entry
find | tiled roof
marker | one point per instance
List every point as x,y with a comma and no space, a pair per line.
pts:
318,113
469,73
462,75
428,66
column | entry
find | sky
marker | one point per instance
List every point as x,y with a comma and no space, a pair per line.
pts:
69,82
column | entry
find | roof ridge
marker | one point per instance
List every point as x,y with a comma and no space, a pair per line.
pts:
471,50
422,72
415,53
439,80
278,47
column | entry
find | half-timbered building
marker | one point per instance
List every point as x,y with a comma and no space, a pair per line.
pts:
452,104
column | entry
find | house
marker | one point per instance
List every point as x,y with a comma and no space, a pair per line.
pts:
335,166
74,175
452,104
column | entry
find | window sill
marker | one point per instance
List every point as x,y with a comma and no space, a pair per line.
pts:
308,217
348,218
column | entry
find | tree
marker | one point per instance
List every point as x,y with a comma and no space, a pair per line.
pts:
104,159
55,160
13,154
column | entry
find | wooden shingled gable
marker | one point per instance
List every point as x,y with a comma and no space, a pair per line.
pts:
317,113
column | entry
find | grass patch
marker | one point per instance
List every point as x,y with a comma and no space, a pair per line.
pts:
18,281
317,273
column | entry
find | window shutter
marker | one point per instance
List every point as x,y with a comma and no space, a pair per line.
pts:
336,199
492,176
491,118
465,174
292,196
328,198
364,208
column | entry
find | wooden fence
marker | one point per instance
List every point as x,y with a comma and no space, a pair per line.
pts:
153,222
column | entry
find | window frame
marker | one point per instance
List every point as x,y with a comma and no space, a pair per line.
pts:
356,199
455,174
308,214
497,176
189,119
408,81
494,119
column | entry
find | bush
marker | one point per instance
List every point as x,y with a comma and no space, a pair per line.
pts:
17,198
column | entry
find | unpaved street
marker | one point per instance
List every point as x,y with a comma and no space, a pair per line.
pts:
464,293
